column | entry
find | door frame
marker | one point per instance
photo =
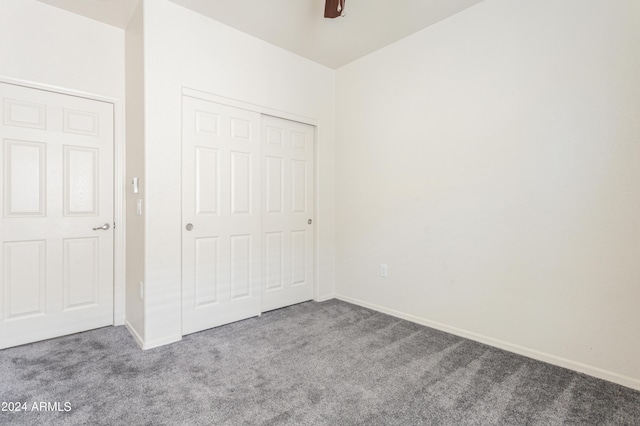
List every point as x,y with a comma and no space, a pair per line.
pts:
119,177
263,110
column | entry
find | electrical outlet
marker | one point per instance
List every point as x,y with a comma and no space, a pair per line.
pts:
141,290
384,270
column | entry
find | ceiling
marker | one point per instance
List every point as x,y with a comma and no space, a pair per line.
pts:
298,25
112,12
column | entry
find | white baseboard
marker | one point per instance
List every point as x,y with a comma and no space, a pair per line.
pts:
610,376
135,334
161,342
325,298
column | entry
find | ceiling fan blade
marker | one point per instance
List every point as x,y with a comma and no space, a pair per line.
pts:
333,8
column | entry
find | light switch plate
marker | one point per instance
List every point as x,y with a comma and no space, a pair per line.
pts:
384,270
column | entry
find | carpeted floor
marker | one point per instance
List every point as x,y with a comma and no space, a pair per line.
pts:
315,363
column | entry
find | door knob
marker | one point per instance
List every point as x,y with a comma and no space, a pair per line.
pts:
189,227
104,227
310,221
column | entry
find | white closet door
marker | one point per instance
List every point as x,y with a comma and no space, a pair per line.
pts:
221,245
288,207
56,186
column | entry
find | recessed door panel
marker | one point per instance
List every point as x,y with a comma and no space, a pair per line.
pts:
298,257
81,122
273,184
207,170
206,123
206,274
274,260
241,183
299,141
299,186
241,130
240,266
24,276
80,181
274,136
24,114
81,260
24,178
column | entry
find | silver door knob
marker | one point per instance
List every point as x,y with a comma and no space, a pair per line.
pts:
310,221
189,227
104,227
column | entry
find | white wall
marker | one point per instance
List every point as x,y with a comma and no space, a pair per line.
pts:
134,59
493,162
46,45
185,49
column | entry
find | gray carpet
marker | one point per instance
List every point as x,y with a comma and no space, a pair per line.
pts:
315,363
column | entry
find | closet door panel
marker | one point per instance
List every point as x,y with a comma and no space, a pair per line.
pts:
221,233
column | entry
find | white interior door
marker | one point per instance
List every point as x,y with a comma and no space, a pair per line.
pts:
220,214
56,186
288,208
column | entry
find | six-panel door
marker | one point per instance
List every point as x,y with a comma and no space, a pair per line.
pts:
288,206
56,176
221,243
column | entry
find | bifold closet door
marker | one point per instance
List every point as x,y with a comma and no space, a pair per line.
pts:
288,208
221,217
56,223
